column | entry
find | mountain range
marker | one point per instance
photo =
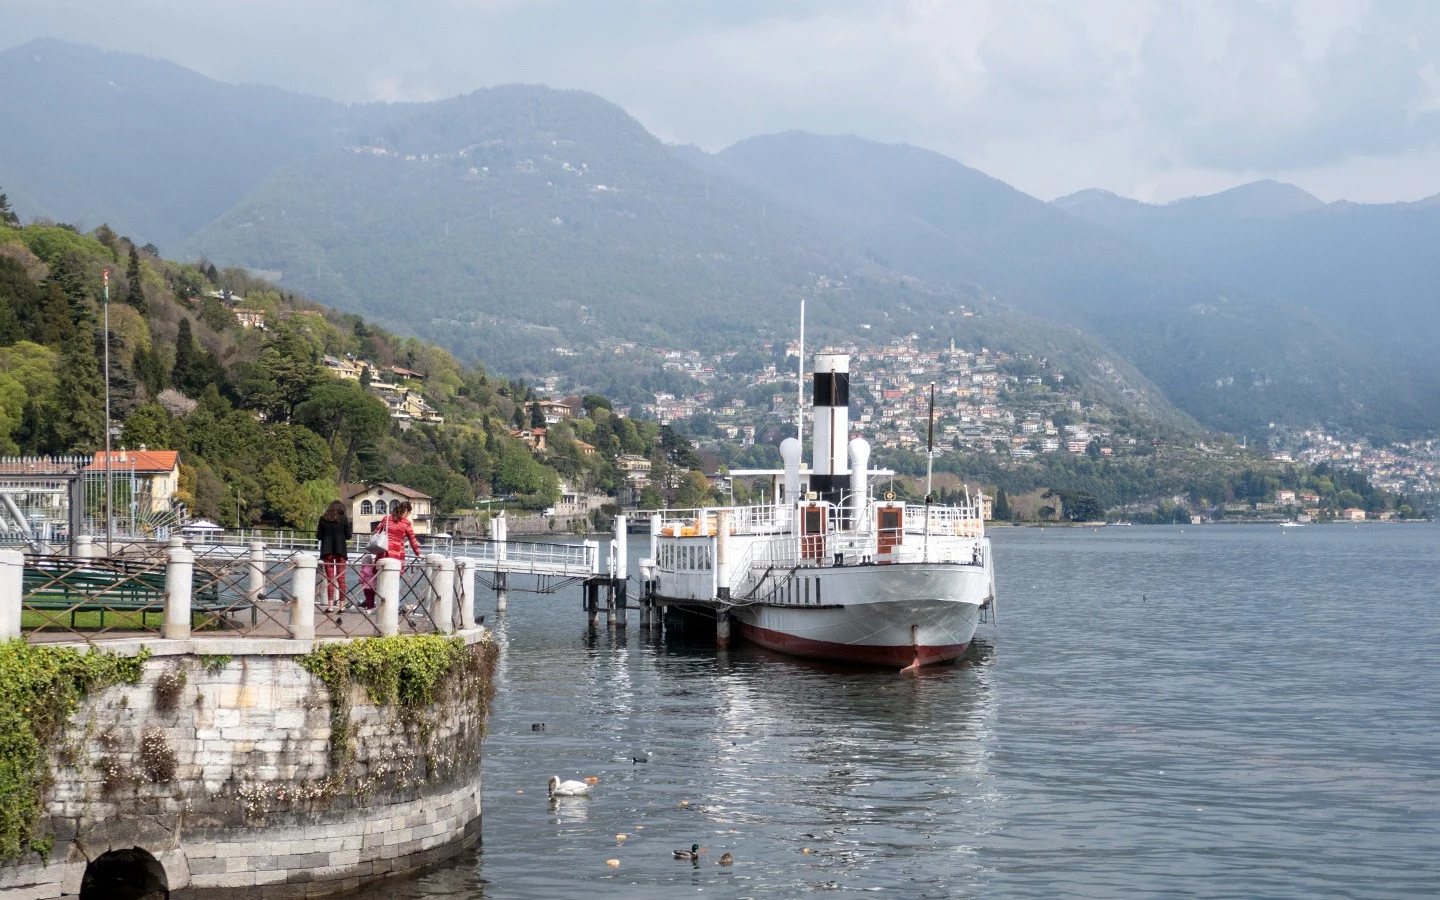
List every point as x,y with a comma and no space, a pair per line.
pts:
516,221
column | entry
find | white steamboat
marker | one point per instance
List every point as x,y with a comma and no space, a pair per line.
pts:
822,568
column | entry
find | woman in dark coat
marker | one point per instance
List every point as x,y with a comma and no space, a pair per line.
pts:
334,534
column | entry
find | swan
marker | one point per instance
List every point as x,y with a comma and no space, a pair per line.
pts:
560,788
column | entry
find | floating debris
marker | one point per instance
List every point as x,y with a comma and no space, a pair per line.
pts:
612,863
537,726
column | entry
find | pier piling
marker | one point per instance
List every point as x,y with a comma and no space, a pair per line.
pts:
722,630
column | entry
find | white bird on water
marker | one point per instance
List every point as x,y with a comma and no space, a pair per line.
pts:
560,788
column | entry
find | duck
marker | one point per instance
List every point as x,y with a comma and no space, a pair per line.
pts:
692,853
725,860
560,788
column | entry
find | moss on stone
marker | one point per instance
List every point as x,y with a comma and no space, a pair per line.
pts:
409,671
40,687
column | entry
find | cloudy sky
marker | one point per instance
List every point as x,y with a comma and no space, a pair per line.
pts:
1153,99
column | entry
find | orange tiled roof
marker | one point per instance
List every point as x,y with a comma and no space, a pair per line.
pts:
144,460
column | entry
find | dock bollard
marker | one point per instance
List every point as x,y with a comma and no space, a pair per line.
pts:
387,590
302,597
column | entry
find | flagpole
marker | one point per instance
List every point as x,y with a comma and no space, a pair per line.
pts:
109,516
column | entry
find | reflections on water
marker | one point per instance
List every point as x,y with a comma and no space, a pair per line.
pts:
1205,711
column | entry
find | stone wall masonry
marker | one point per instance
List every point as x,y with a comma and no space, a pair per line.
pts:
227,774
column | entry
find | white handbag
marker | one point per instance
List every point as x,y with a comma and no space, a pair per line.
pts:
380,541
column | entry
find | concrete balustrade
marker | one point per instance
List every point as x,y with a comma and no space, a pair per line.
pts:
449,590
302,599
255,590
444,609
387,597
179,575
465,583
12,587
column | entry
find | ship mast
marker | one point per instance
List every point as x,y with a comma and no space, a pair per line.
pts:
929,465
800,381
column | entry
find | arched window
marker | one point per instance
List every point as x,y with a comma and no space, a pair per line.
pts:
367,508
394,506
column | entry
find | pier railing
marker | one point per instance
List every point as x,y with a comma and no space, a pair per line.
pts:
211,590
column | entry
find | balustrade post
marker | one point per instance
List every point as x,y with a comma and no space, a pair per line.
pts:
465,576
387,591
302,603
179,582
444,588
12,592
255,589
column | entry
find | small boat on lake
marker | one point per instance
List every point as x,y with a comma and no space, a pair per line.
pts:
822,568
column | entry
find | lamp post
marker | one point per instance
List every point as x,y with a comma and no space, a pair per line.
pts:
109,513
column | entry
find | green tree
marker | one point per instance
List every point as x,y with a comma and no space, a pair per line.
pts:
694,491
292,362
286,500
1000,510
134,292
348,416
73,416
151,425
7,215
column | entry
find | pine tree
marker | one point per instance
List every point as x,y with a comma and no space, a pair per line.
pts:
7,215
1000,510
134,294
182,374
76,414
56,323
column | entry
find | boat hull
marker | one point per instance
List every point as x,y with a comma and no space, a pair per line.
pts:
876,615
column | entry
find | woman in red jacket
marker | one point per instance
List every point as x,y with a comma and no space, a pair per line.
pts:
398,526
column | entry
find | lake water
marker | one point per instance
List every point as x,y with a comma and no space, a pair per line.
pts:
1230,711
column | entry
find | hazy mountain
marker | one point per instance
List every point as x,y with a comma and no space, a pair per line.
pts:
517,221
152,149
521,223
1373,267
1231,354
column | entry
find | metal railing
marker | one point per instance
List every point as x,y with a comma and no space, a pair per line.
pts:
214,591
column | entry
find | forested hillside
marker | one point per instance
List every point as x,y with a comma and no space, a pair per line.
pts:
266,432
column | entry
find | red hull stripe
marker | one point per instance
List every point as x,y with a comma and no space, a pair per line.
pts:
898,657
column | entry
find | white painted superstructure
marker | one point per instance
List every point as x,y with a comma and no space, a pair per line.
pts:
825,569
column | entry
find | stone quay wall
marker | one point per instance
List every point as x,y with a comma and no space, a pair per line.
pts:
230,765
